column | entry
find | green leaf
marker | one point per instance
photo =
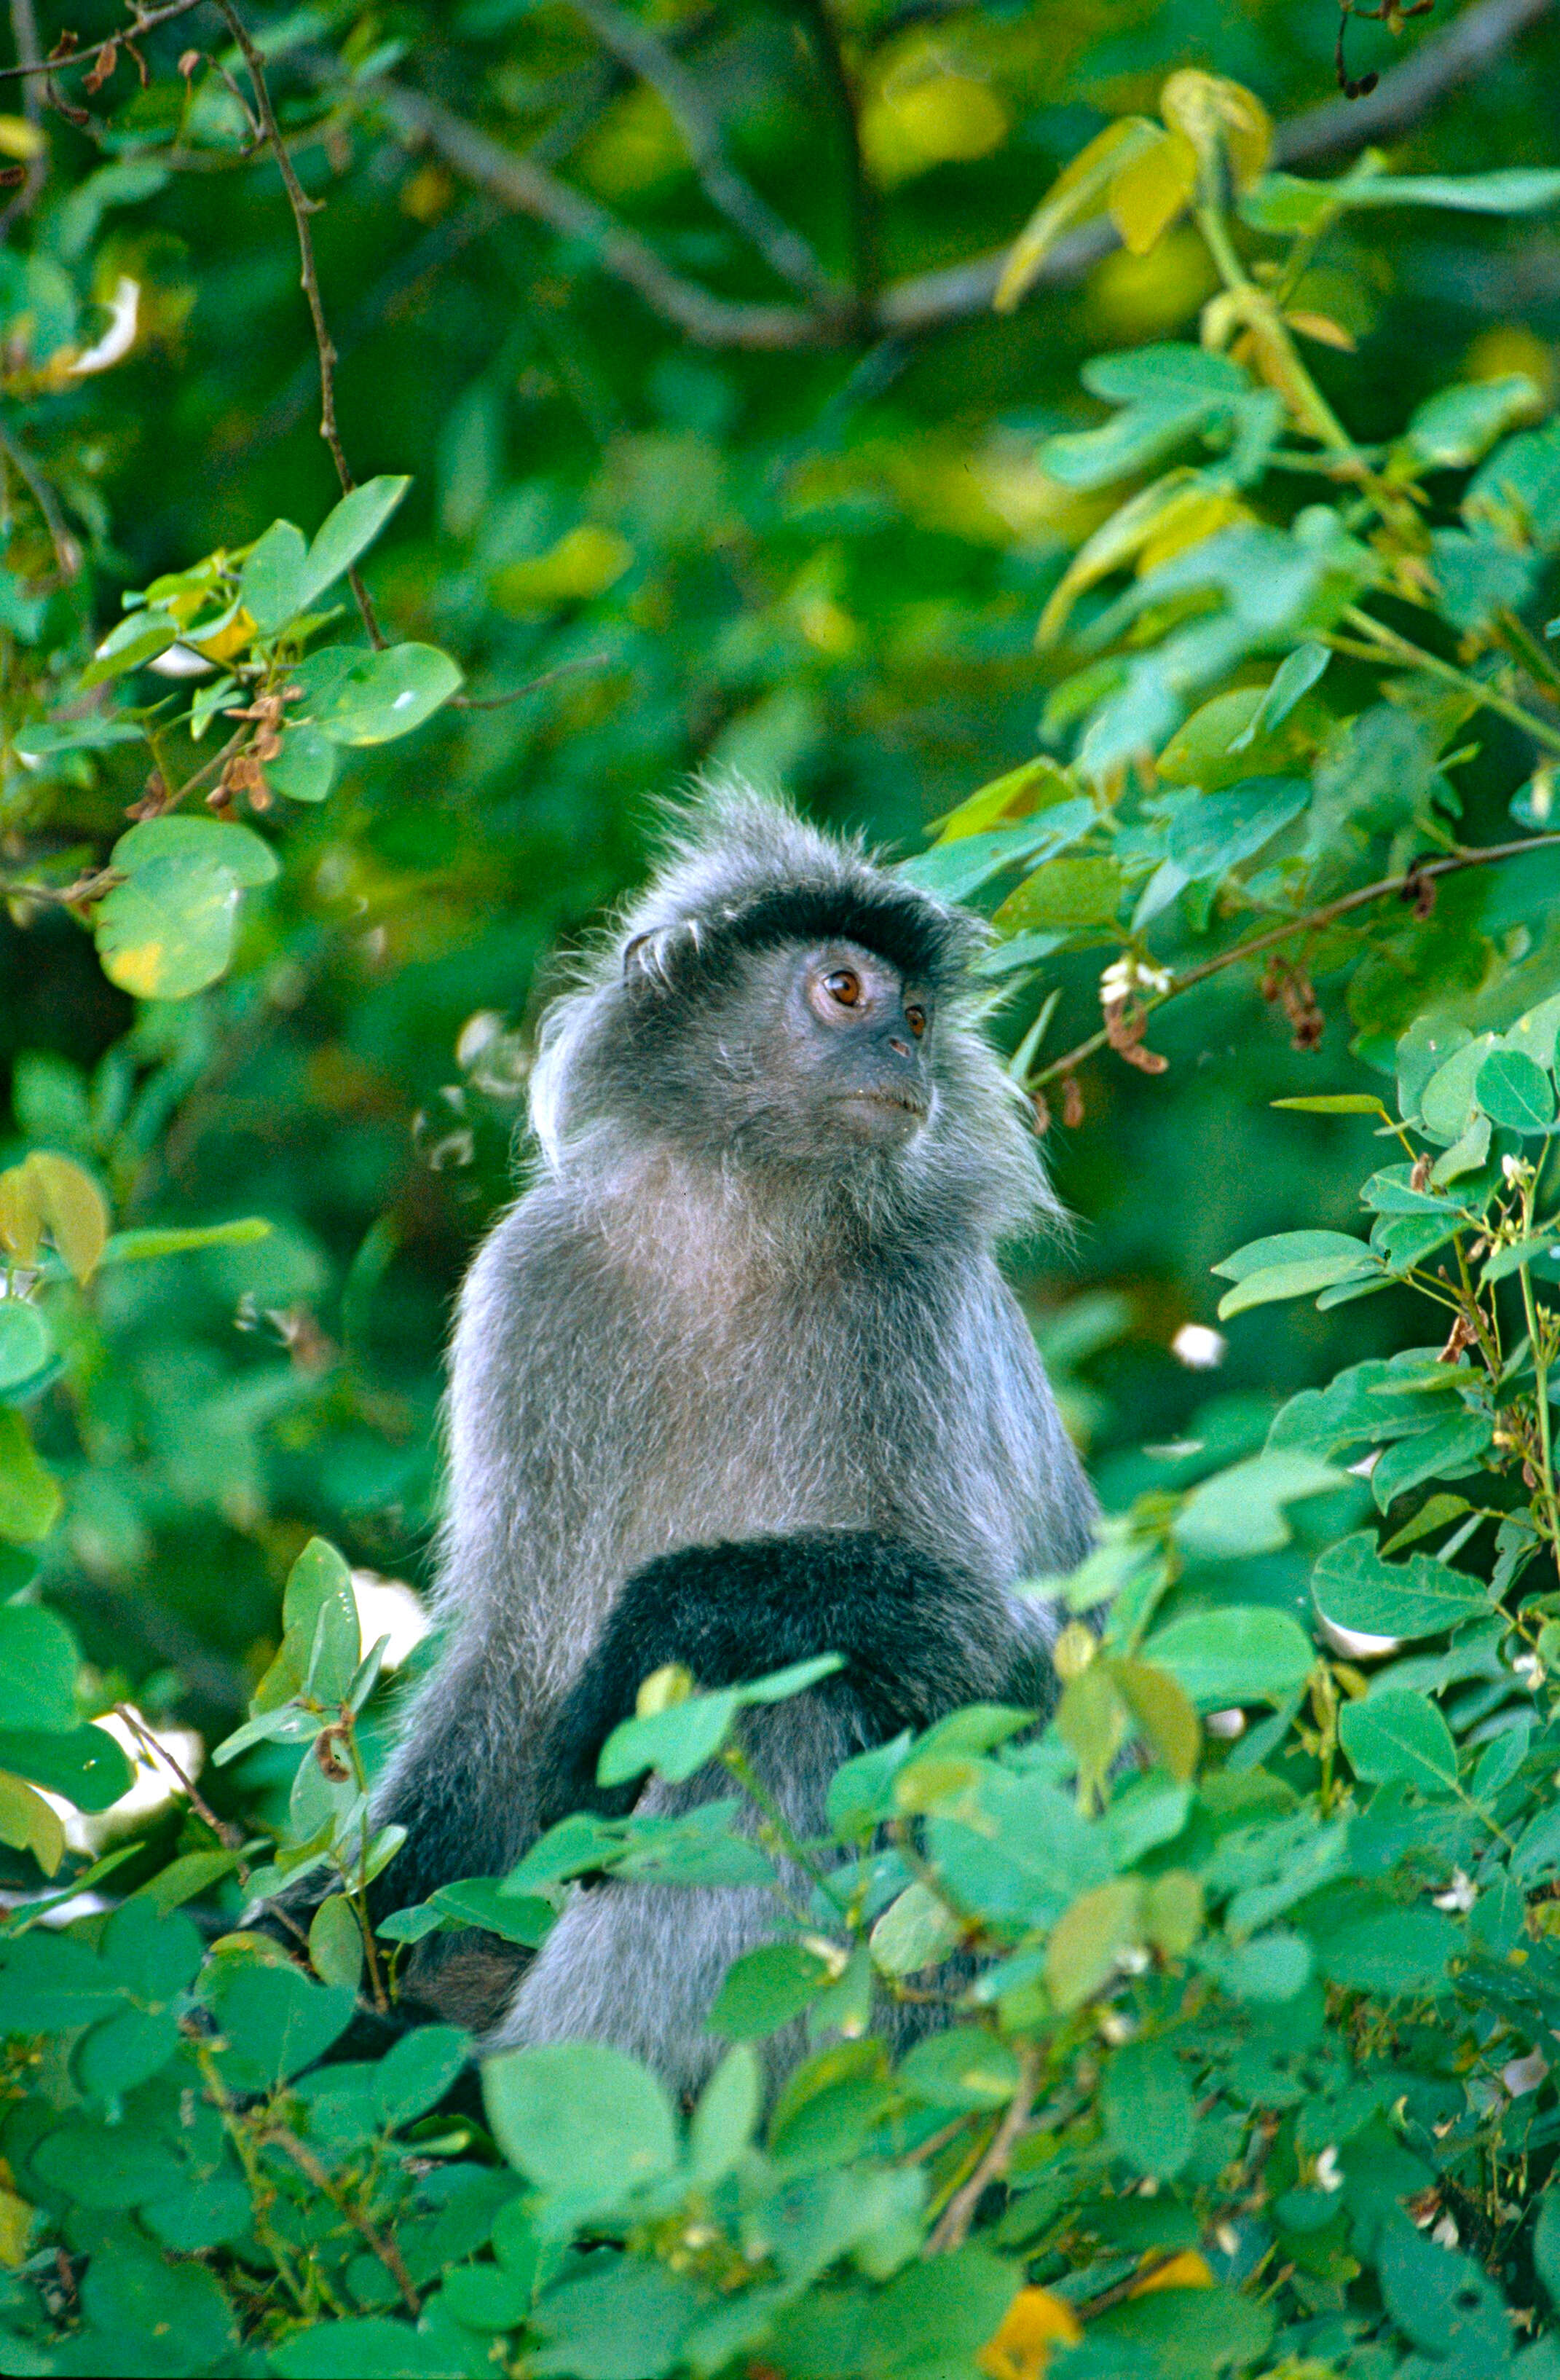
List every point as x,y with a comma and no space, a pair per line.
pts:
1283,202
348,531
38,1664
168,930
1216,832
1241,1510
137,638
274,2023
1515,1092
1421,1596
481,1900
29,1495
1452,1447
1278,1282
1515,1253
271,585
1546,2244
915,1931
727,2115
83,1762
1150,2118
1455,426
336,1943
965,2067
1479,578
1063,895
25,1345
305,766
364,2347
371,697
1089,1937
765,1989
319,1611
416,2072
1399,1738
1388,1951
1334,1103
579,2117
1516,491
173,1240
1288,1248
674,1741
186,1878
1242,1653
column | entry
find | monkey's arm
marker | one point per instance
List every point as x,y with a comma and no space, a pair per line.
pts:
918,1640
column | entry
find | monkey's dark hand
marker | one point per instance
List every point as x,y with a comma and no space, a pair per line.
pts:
918,1639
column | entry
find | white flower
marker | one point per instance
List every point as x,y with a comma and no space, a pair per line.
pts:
1200,1349
124,311
1459,1895
1228,1723
1127,975
1525,2074
1512,1168
1445,2233
1326,2175
1529,1668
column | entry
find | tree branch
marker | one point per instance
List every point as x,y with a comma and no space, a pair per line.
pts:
68,553
141,21
728,191
954,2227
842,100
302,208
925,301
1312,922
522,183
24,32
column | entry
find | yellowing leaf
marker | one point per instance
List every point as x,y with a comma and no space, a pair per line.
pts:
229,637
1033,785
1078,192
1149,191
16,2227
1186,2271
928,116
29,1495
19,138
1116,541
1218,116
27,1823
21,1216
1322,328
73,1208
1087,1939
1200,516
1037,2321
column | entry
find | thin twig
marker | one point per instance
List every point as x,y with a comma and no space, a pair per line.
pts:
278,2136
24,32
646,55
1312,922
959,2213
90,887
532,685
230,1838
302,207
68,553
141,21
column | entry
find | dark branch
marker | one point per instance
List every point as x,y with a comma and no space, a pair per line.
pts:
728,191
842,101
141,23
302,208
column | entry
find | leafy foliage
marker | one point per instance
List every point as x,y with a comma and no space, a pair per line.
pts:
1246,2067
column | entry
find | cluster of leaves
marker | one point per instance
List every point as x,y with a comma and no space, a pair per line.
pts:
1254,1959
1255,2039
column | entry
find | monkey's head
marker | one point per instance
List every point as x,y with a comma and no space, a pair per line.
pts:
776,1004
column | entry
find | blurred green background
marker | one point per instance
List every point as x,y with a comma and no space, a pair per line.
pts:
818,567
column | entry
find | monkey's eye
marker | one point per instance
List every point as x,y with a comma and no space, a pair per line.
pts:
844,985
916,1019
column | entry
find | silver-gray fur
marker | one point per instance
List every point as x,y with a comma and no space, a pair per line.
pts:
700,1322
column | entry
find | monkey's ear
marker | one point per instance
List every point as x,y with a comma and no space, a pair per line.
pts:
639,958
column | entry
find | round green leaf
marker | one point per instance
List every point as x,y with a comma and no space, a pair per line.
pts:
29,1494
356,697
241,854
1399,1738
1515,1092
578,2116
304,767
169,931
336,1943
25,1345
1243,1653
1419,1597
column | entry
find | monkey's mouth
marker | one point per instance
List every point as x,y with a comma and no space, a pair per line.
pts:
891,1103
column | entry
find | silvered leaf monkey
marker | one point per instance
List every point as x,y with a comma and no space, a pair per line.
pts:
751,1290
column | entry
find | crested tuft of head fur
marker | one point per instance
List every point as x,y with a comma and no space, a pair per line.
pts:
742,874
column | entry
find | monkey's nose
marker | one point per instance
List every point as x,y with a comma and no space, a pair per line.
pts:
900,1049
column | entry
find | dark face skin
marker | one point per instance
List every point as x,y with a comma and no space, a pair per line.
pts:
858,1036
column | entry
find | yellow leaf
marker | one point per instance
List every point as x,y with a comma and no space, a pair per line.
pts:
1322,328
21,1217
1186,2271
1149,191
27,1823
19,138
1087,1939
29,1494
229,637
73,1209
1036,2322
1078,192
1200,517
1033,785
1215,116
15,2226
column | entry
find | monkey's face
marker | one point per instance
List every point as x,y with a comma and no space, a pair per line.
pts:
853,1038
